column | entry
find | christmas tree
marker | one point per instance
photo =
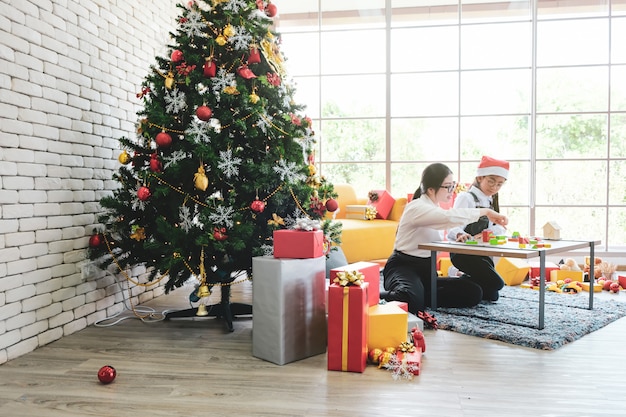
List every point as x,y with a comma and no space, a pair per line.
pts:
222,156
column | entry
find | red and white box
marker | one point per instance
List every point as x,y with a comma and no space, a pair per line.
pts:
535,266
383,204
414,359
347,327
371,275
298,244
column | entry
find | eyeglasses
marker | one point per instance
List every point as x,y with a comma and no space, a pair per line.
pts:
449,187
492,182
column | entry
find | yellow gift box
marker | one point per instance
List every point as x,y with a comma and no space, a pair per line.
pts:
512,270
563,274
387,326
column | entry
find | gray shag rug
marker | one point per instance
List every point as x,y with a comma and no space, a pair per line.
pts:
511,318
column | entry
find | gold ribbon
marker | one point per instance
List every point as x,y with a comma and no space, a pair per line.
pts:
370,212
406,347
345,278
344,331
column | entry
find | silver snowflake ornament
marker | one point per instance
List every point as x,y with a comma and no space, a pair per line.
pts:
222,216
229,164
288,171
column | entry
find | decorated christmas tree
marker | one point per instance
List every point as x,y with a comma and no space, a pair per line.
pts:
222,156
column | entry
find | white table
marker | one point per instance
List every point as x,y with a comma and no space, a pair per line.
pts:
512,250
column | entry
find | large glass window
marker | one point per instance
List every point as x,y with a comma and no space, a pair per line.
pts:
394,85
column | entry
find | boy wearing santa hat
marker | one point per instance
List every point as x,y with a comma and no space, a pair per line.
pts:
490,177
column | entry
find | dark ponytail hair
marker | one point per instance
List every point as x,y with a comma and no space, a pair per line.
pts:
432,177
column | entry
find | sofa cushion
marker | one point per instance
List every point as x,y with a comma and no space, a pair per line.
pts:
366,240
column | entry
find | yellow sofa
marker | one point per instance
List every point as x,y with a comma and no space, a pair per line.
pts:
366,240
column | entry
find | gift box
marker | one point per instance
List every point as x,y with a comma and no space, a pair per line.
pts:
360,212
404,306
411,360
347,327
289,319
388,325
371,275
512,270
535,266
382,201
414,321
556,275
298,244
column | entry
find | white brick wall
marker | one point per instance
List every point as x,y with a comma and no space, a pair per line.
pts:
69,72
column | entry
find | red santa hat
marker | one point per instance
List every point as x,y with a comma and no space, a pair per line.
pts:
492,166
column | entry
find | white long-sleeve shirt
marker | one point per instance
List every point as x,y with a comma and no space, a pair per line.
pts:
466,200
423,221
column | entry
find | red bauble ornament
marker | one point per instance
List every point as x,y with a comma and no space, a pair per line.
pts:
332,205
155,164
219,234
245,72
204,113
163,140
257,206
209,68
143,193
255,56
177,55
271,10
107,374
95,240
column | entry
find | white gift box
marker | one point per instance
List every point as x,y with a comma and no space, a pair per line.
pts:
288,308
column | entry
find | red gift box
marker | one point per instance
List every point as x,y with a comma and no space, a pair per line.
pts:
404,306
534,269
383,204
347,327
298,244
371,275
413,360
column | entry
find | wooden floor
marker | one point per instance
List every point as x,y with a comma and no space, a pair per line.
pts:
192,367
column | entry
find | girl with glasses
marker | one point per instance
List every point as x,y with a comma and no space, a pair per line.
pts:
490,176
407,274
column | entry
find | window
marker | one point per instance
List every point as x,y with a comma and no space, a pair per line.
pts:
394,85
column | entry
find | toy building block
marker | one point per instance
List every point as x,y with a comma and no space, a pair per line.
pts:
512,270
596,287
551,230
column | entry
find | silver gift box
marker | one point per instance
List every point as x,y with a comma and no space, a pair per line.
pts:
289,308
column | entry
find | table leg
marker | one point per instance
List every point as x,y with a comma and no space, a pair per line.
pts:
433,280
542,288
592,262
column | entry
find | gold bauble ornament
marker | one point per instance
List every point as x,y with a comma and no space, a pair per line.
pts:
200,180
220,40
231,89
124,158
254,99
229,30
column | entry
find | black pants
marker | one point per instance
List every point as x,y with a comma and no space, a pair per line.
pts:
480,270
408,278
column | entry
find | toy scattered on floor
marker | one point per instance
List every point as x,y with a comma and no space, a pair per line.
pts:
569,265
107,374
